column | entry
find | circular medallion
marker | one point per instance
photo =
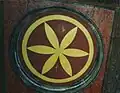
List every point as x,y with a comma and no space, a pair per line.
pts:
56,49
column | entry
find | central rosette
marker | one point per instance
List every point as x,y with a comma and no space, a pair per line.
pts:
58,51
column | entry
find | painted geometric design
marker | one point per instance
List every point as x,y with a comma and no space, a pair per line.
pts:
58,51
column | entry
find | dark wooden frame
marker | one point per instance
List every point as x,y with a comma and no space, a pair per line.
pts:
2,70
112,77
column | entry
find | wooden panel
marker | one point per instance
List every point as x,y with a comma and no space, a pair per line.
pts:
112,77
2,78
103,18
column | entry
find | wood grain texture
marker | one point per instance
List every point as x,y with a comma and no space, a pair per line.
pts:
112,77
103,19
16,9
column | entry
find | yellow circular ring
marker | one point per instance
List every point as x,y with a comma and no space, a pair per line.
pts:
57,17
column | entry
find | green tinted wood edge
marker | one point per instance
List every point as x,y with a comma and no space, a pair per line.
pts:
2,49
112,76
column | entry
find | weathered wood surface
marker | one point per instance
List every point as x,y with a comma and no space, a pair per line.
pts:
112,77
2,78
16,9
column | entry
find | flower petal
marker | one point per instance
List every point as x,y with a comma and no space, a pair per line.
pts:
75,52
49,64
69,37
65,64
51,36
41,49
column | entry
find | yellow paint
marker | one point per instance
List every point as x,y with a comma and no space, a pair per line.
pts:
69,37
74,52
55,45
51,36
49,63
65,64
41,49
59,51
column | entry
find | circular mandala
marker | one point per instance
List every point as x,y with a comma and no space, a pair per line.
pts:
56,49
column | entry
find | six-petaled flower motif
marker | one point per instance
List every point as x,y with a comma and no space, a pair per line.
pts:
58,51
